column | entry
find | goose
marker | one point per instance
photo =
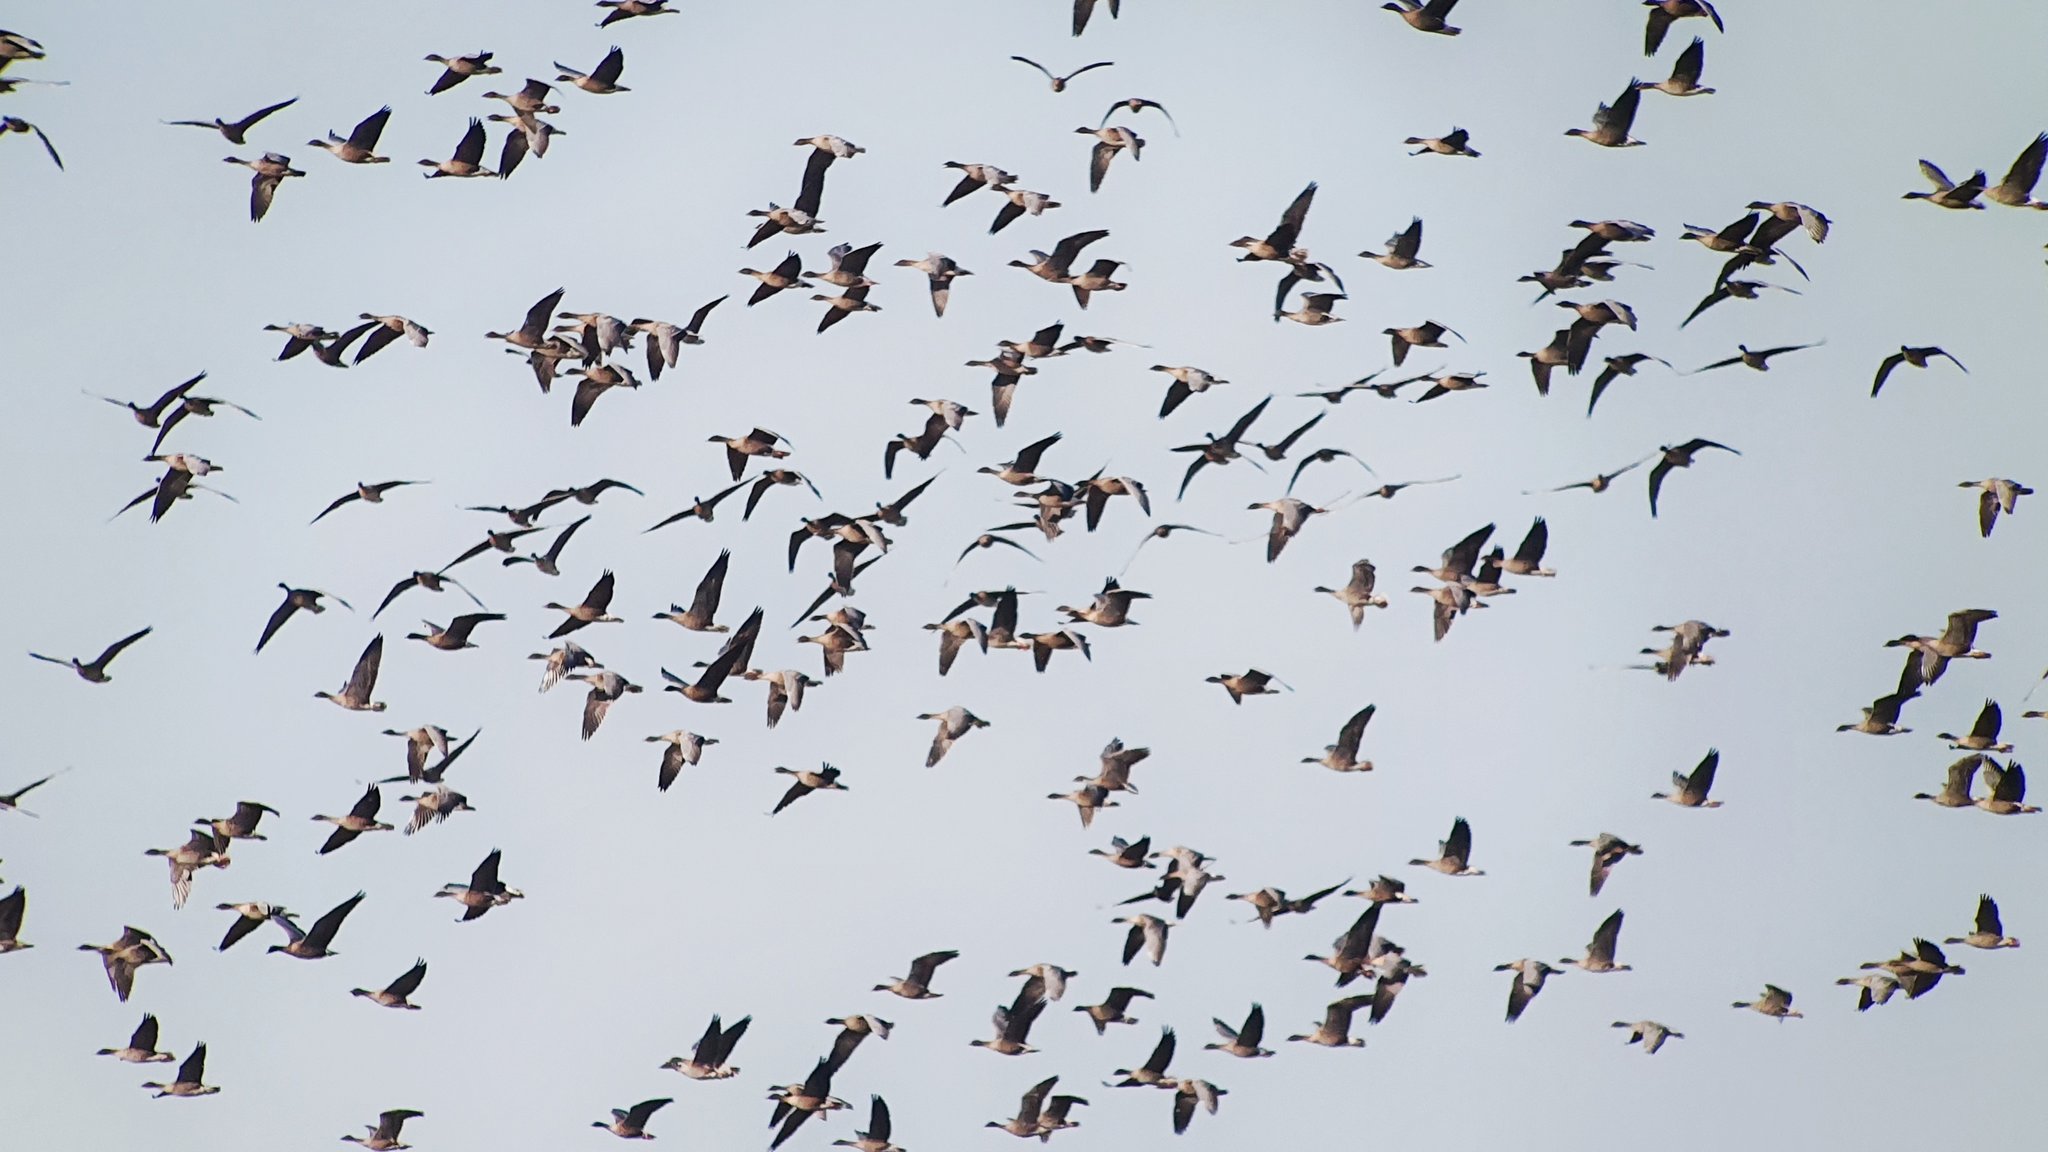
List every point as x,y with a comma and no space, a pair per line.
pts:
384,1134
1135,105
1689,790
1685,73
1601,482
1983,734
1955,791
236,132
631,1123
531,99
190,405
1450,382
1999,495
954,723
1775,1002
806,781
484,890
801,217
683,748
468,157
1650,1034
1401,249
1148,934
1455,143
1059,83
975,177
1616,367
456,69
851,301
1916,357
526,132
316,944
1243,1041
2017,189
1343,755
1957,642
1335,1029
1187,381
455,636
1111,607
1542,361
1608,850
1279,244
12,907
1873,988
1054,1117
1114,1008
1731,289
532,332
1100,277
733,654
1315,310
202,850
599,81
1051,980
271,170
152,416
1013,1024
605,687
1019,202
834,643
1529,979
917,984
710,1058
548,563
1031,1108
1678,456
1290,516
2008,787
1528,557
434,806
397,993
940,271
362,681
360,145
593,610
95,670
133,950
1988,932
758,442
1454,853
628,9
191,1074
361,818
1126,853
1428,334
1947,193
1251,682
852,1031
796,1103
141,1046
1611,123
1663,12
1023,469
1425,17
1057,267
1450,601
1152,1073
1383,890
1087,800
562,661
1600,952
876,1138
665,340
11,801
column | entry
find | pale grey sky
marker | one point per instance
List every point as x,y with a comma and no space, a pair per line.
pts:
1839,526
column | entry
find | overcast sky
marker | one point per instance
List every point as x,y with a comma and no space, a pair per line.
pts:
1840,525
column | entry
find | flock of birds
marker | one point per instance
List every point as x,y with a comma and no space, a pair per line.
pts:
597,349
